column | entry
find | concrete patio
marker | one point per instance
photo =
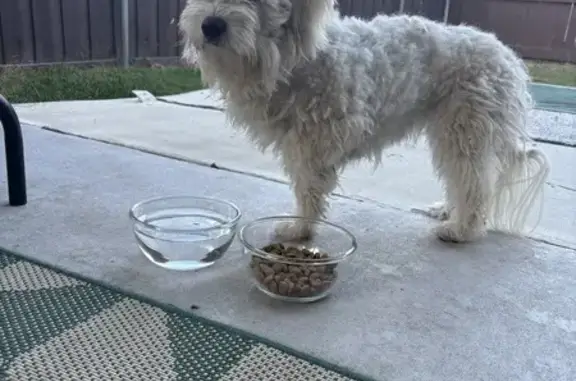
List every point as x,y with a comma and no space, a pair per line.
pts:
410,307
194,130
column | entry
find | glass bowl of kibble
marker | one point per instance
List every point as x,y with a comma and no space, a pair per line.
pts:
299,271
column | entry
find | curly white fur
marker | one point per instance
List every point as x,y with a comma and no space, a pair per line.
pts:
322,91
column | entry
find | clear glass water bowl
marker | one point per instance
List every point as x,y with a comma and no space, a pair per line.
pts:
184,232
293,279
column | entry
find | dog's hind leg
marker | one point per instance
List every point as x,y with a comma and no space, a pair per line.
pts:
461,156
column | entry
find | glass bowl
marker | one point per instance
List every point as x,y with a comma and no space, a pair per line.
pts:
184,232
304,271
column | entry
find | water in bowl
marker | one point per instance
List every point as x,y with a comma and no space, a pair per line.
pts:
188,249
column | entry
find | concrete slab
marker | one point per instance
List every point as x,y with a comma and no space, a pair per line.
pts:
409,308
554,120
203,136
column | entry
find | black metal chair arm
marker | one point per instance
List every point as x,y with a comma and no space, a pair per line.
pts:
14,147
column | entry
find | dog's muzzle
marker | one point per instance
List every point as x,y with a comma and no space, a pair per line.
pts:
213,28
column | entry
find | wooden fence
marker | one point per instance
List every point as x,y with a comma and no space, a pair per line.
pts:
540,29
39,32
75,31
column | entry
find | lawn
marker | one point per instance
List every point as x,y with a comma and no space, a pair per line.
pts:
553,73
22,85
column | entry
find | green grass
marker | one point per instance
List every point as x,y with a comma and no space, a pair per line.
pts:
21,85
553,73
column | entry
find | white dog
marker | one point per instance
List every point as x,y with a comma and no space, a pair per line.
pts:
322,91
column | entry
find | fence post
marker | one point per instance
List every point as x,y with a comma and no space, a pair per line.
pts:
125,33
446,10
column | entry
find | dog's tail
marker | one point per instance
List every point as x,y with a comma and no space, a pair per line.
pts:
518,189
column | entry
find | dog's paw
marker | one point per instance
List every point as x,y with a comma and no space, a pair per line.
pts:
438,210
293,231
450,231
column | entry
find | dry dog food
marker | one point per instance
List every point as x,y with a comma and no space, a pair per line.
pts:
294,279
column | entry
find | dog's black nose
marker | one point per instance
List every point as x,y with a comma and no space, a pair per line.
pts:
213,28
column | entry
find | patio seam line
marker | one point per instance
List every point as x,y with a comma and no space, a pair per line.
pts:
191,105
561,186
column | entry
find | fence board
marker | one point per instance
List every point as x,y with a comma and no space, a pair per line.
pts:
101,24
47,23
455,12
359,8
17,31
345,7
147,24
431,9
1,41
168,28
76,30
389,6
117,24
538,28
133,32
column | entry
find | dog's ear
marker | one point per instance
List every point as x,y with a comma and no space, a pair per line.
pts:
307,23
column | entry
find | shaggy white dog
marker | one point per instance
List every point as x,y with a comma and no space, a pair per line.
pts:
322,91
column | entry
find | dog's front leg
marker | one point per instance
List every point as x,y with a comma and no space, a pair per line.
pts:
311,186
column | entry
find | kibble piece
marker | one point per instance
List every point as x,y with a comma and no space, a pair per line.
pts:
268,279
303,280
279,267
273,287
294,253
283,288
267,270
315,282
276,248
295,270
292,277
259,276
314,275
